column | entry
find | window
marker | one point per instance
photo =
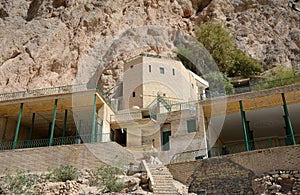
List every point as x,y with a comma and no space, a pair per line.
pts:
149,68
133,94
162,70
191,125
173,71
164,94
131,66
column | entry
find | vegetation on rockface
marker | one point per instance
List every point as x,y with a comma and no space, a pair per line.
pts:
221,45
219,84
107,176
64,173
243,65
279,76
24,182
21,183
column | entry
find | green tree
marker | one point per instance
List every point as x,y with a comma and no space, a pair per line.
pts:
279,76
243,65
218,42
221,44
219,84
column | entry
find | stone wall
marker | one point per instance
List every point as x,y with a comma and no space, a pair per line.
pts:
80,156
184,170
221,176
258,161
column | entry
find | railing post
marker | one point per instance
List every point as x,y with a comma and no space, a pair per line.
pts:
271,142
65,127
289,128
53,123
18,126
94,119
244,123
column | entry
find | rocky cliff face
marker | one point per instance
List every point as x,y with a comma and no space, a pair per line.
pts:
267,30
56,42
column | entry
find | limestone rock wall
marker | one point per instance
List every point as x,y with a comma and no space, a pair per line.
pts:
56,42
267,30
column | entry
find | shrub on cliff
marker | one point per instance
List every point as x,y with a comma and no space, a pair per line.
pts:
221,45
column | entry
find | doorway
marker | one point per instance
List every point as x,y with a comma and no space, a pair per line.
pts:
121,136
166,140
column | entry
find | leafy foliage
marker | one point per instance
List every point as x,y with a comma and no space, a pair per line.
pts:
107,175
21,183
64,173
243,65
219,84
221,44
278,76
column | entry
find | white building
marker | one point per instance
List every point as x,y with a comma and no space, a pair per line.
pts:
147,76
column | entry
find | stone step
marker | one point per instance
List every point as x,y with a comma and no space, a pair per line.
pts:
162,180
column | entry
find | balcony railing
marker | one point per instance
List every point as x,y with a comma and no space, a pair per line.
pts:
261,85
69,140
53,91
237,147
124,117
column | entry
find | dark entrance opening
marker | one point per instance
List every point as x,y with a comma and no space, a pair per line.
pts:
166,140
121,136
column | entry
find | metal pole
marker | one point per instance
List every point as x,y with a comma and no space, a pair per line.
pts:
31,130
18,126
53,123
65,126
244,126
94,119
288,121
31,126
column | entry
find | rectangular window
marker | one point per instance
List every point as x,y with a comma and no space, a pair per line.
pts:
133,94
191,125
149,68
162,70
173,71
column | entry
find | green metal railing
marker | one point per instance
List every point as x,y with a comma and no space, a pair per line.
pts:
69,140
100,90
164,103
52,91
237,147
267,85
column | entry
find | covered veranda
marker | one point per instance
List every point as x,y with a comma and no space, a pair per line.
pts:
54,116
256,120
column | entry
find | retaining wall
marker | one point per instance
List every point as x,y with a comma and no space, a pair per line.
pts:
80,156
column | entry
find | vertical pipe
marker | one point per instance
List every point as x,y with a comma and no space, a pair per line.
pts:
31,126
65,126
31,130
289,127
18,126
94,119
244,126
53,123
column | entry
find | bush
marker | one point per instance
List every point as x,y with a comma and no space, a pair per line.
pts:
221,45
219,84
64,173
218,41
243,65
279,76
108,176
21,183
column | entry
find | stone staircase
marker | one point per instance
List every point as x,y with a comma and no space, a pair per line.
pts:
161,180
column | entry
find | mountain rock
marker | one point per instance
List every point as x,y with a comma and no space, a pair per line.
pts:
59,42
